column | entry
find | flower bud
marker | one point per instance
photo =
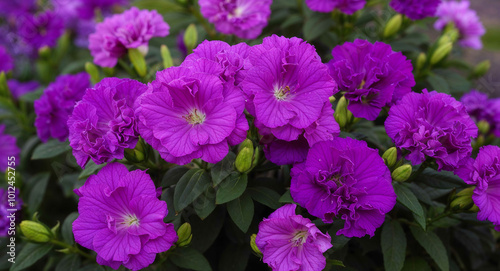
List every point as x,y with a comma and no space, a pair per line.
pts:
390,156
35,231
253,245
137,59
44,52
402,173
92,70
463,199
393,26
185,236
441,52
247,143
422,58
341,112
166,56
138,154
244,160
482,69
483,127
191,37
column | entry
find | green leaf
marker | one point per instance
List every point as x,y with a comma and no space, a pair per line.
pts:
410,201
173,176
222,169
265,196
241,211
438,83
90,168
206,231
69,262
433,245
190,187
30,254
443,179
234,258
286,198
393,243
138,61
50,149
38,191
416,264
204,205
189,258
231,188
316,25
67,230
291,20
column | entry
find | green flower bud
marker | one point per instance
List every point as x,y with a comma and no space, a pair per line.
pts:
422,58
44,52
402,173
92,70
247,143
191,37
463,200
483,127
390,156
244,160
332,99
441,52
35,231
137,59
341,112
474,209
393,26
482,69
138,154
185,236
166,56
253,245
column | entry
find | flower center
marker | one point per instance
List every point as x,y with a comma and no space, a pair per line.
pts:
282,93
299,238
130,219
195,117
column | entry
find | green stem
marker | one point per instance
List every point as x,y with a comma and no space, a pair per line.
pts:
417,173
73,249
196,13
127,68
439,217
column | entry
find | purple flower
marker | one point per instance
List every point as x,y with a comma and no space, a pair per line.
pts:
131,29
432,125
288,89
372,75
346,6
87,8
187,114
56,104
344,179
18,89
484,173
481,108
121,218
8,148
103,123
6,61
40,30
416,9
6,209
243,18
14,8
464,19
292,242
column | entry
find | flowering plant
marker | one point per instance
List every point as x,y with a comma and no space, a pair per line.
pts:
247,135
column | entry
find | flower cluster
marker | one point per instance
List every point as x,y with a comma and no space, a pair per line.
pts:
372,75
288,89
103,123
344,179
118,33
464,19
121,218
416,9
432,124
57,103
480,108
8,148
243,18
345,6
292,242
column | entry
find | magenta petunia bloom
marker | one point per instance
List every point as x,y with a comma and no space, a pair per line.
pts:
288,89
118,33
6,61
18,89
434,125
345,179
372,75
121,218
292,242
464,19
103,123
416,9
56,104
481,108
346,6
6,210
8,148
40,30
187,114
484,173
243,18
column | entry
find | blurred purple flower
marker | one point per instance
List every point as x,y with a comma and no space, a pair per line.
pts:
6,61
416,9
481,108
18,89
43,29
8,148
345,6
6,209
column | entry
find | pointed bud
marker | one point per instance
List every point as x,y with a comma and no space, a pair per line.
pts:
483,127
138,154
44,52
92,70
244,160
393,26
390,156
166,56
422,58
185,236
137,59
463,199
247,143
332,99
441,52
253,245
35,231
341,112
402,173
482,69
191,38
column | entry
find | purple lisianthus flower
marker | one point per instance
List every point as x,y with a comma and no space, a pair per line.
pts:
346,6
345,179
118,33
18,89
484,173
6,209
434,125
6,61
480,108
372,75
416,9
287,90
121,218
103,123
292,242
8,148
56,104
243,18
464,19
188,114
40,30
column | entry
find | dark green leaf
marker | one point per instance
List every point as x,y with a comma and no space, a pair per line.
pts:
30,254
316,25
231,188
410,201
291,20
241,211
67,228
168,197
222,169
438,83
443,179
90,168
69,262
190,259
234,258
393,243
50,149
190,187
286,197
416,264
67,183
38,191
206,231
204,205
265,196
173,176
433,245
